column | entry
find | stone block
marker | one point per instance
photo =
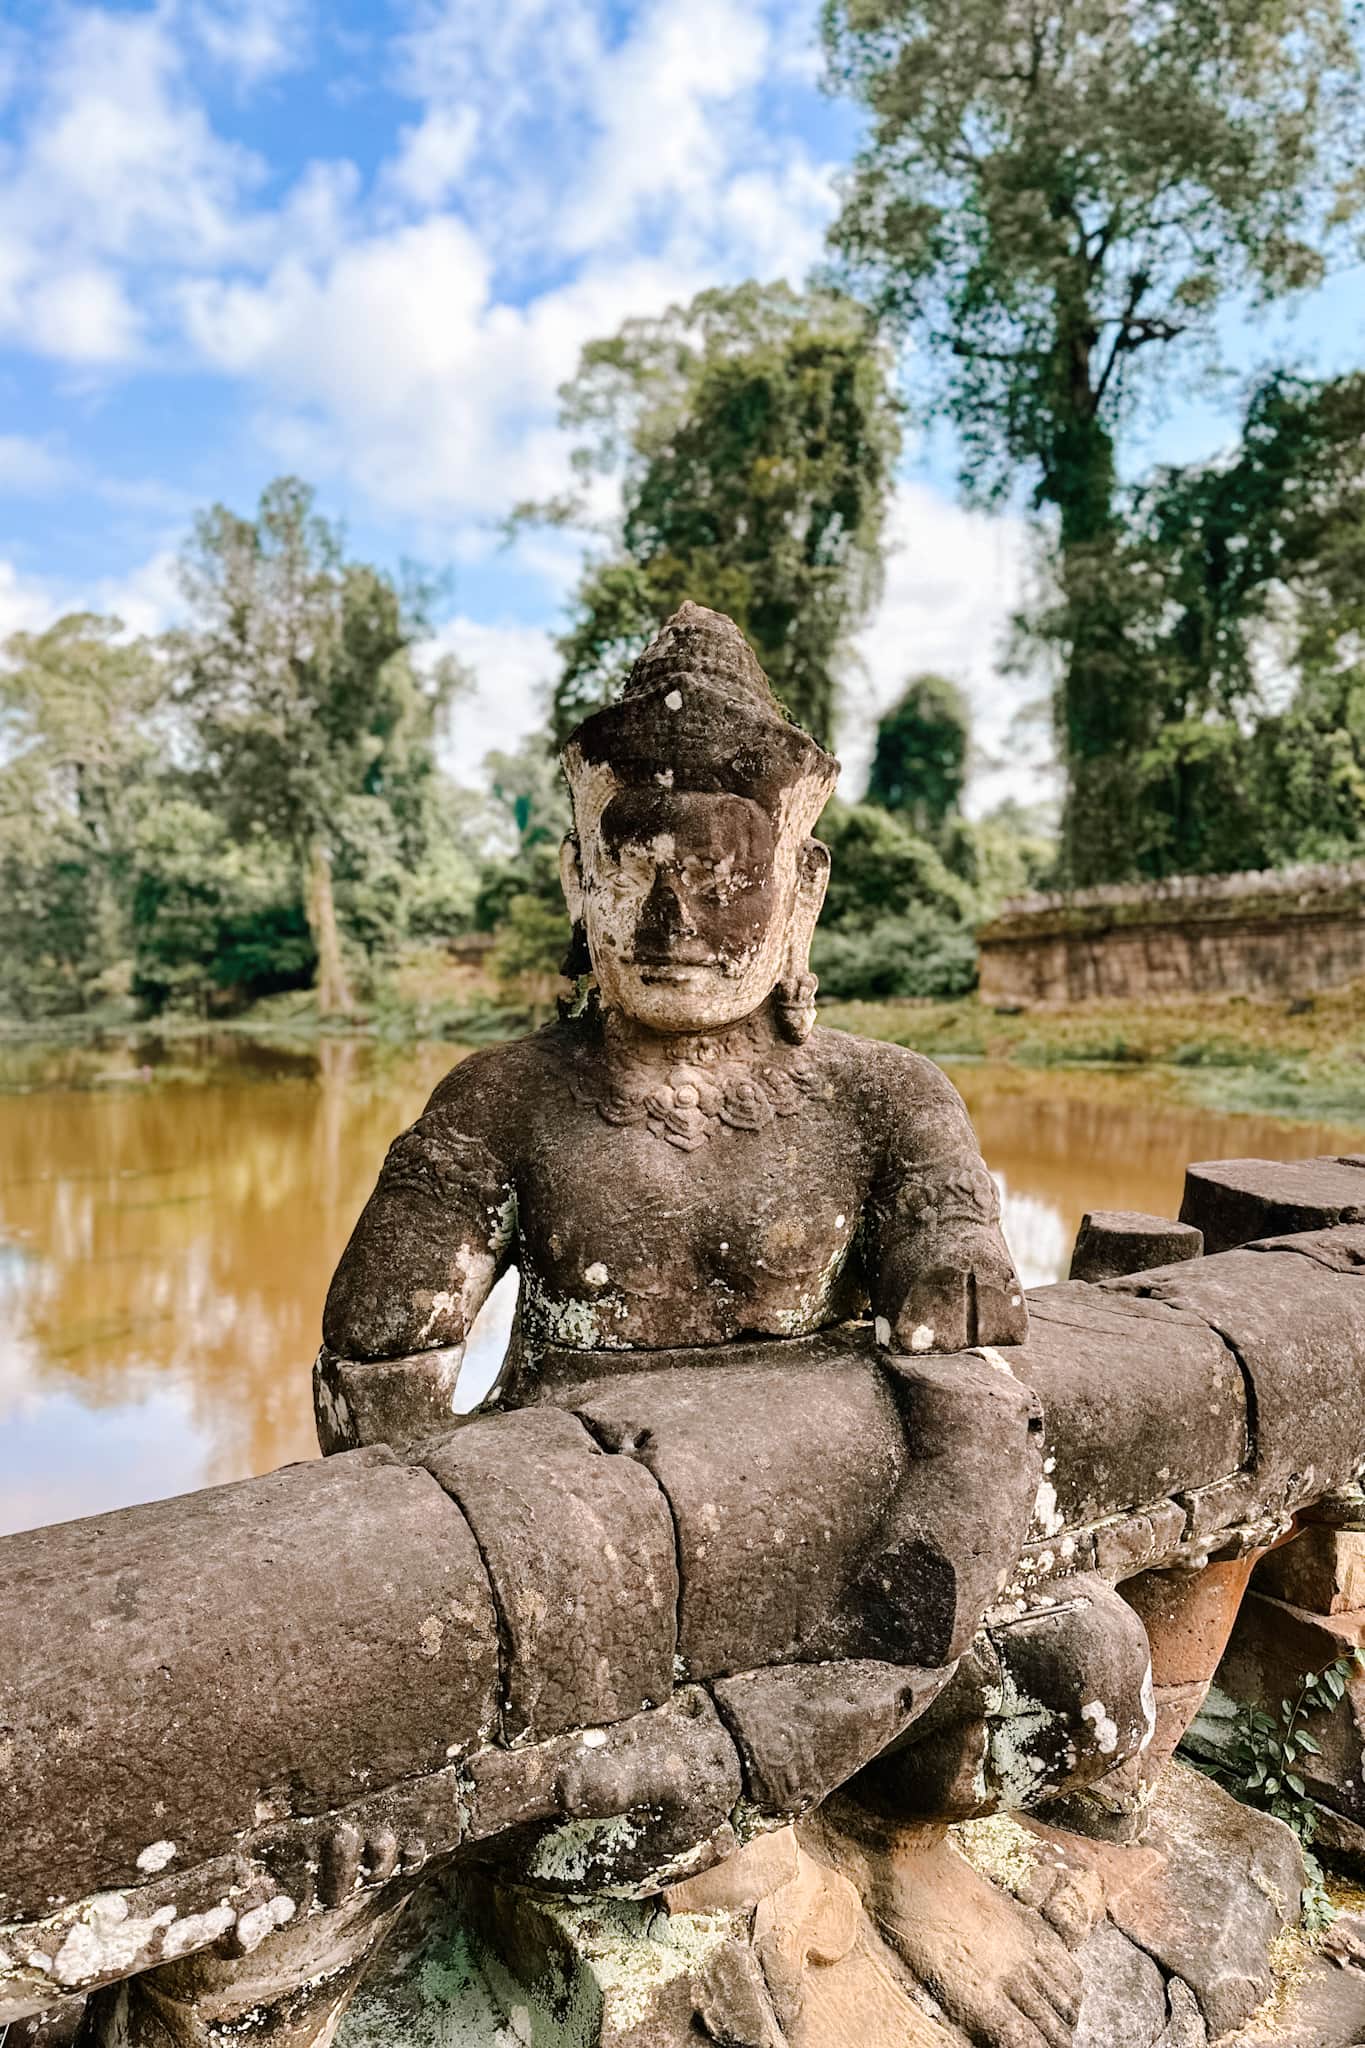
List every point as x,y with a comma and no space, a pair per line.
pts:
1322,1569
1234,1201
1188,1617
1272,1646
1298,1330
1138,1542
1124,2001
229,1657
1316,2003
779,1480
1341,1249
1207,1906
1113,1241
580,1552
1139,1401
804,1729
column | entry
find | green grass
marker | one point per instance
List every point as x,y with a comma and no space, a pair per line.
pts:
1304,1060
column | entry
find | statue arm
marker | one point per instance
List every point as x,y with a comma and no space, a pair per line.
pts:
435,1235
941,1276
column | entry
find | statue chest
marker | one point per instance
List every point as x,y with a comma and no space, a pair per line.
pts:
649,1242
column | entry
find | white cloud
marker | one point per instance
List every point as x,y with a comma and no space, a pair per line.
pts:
382,330
254,39
432,155
513,666
31,468
27,603
146,599
954,579
120,156
658,105
397,365
115,180
81,315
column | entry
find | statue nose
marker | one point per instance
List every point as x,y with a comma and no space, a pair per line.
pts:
666,916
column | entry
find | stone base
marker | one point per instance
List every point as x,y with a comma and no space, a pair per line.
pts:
1182,1941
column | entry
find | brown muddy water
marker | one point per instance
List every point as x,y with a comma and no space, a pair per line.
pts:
170,1214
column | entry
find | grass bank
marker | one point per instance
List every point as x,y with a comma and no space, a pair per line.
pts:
1304,1060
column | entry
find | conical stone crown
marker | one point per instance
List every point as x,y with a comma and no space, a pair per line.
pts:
698,713
701,646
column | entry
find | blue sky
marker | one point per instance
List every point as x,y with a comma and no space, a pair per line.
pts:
365,241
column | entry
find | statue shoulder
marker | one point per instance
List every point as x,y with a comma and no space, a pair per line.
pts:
494,1092
893,1079
905,1100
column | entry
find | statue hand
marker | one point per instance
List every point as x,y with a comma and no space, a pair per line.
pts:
394,1401
953,1306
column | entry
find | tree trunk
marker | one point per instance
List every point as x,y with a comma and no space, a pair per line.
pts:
1102,711
334,990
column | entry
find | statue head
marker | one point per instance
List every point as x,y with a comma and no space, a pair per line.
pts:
691,870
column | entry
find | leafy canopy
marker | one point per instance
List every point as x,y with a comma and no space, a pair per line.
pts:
296,669
753,434
919,763
1053,189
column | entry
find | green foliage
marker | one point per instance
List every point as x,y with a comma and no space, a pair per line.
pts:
78,734
162,808
754,434
215,922
533,938
1262,1766
1229,573
1010,852
1053,198
896,922
919,764
311,721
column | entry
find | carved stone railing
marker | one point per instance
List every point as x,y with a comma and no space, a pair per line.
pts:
234,1712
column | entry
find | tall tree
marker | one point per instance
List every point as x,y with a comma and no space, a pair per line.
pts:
297,672
1245,595
919,763
754,434
1054,195
79,734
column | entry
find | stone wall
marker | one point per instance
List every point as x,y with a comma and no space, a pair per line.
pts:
1274,935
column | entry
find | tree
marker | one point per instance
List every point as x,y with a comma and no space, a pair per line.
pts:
1242,584
919,764
213,921
1051,199
297,672
80,734
895,922
754,433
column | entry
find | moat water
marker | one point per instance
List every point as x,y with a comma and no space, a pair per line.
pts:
170,1214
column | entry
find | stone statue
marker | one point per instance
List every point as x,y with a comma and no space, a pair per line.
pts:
685,1159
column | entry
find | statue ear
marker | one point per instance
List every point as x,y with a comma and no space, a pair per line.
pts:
571,878
811,883
795,992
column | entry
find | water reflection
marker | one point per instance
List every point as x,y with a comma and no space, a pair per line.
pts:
170,1215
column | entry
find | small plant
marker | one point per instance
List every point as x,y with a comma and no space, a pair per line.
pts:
1261,1767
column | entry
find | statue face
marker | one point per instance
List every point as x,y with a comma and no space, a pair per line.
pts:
687,899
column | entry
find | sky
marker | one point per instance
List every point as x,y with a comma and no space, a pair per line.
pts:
364,240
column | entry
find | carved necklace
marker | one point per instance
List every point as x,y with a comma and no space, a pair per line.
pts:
740,1081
